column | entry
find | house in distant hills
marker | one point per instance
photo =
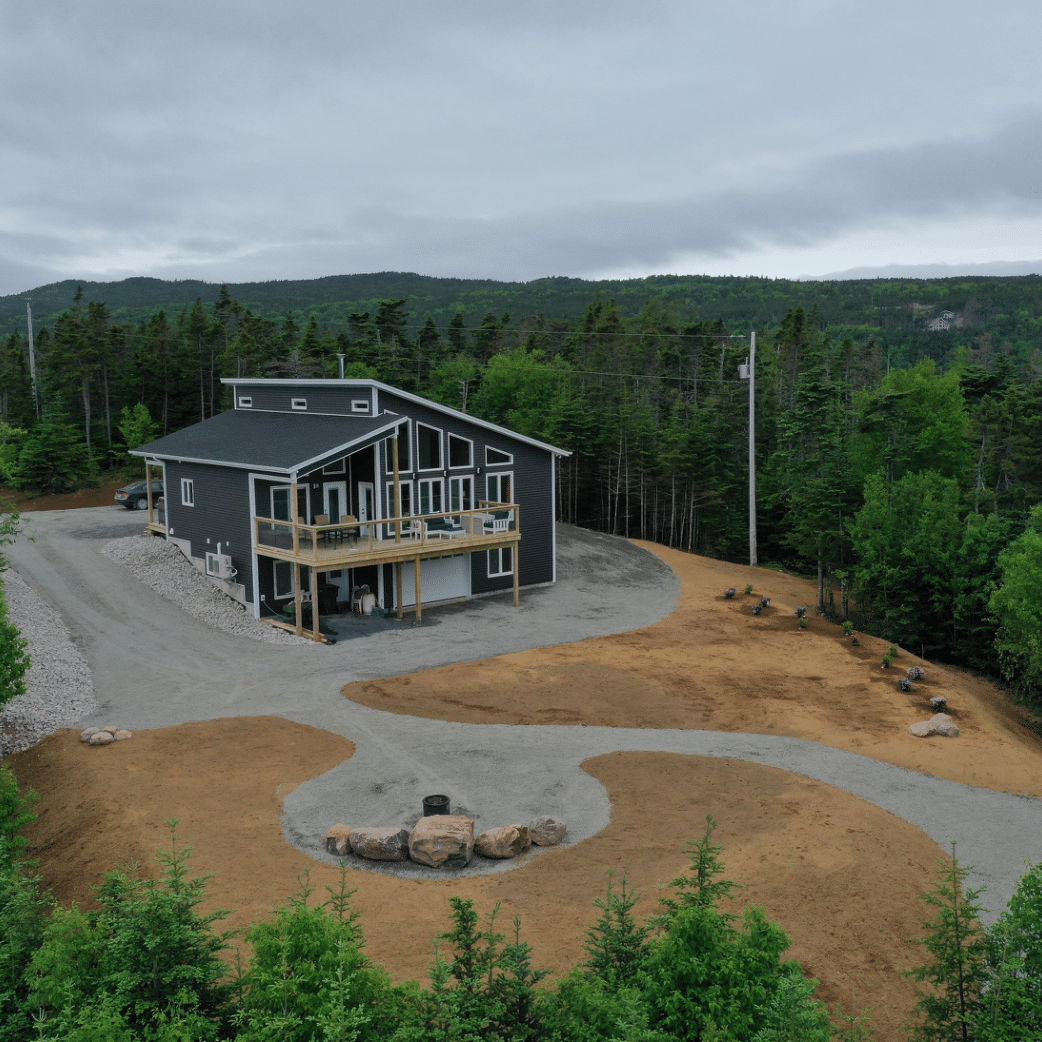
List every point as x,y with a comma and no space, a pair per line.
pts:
310,490
941,323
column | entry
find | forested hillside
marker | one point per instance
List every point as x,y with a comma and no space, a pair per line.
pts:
898,423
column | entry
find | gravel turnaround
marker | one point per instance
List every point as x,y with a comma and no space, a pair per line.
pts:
155,665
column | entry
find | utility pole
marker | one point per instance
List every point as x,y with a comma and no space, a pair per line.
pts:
748,372
32,358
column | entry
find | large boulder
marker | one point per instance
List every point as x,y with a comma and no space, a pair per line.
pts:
380,844
101,738
939,723
944,725
442,840
505,841
546,832
338,840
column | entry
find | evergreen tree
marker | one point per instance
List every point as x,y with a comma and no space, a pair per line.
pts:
1011,1006
955,972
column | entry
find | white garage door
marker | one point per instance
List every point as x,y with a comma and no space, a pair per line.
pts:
441,579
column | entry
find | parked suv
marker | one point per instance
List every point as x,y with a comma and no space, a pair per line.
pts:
135,496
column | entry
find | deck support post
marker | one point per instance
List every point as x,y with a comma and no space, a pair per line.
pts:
314,606
296,599
517,582
419,603
398,589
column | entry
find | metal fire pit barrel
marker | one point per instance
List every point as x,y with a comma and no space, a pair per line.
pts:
435,805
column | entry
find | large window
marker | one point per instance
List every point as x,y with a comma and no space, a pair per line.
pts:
187,492
493,457
428,447
281,497
461,452
500,487
404,455
501,561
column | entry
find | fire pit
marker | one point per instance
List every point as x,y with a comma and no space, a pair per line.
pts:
435,805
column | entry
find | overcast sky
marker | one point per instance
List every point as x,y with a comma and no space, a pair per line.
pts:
242,140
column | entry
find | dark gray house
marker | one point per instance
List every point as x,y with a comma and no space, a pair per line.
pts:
308,490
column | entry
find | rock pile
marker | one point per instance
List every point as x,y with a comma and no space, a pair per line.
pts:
443,841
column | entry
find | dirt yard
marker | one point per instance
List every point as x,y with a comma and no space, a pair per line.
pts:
843,877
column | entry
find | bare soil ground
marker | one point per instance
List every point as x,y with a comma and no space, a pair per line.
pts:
102,496
843,877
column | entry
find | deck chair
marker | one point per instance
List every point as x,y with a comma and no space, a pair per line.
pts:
323,519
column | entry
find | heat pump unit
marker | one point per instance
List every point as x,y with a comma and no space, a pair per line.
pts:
220,566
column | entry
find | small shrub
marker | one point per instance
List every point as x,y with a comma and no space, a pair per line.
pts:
887,659
905,684
802,622
748,588
893,651
757,608
916,673
765,601
854,642
848,628
729,593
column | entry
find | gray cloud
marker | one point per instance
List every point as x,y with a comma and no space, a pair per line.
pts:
258,140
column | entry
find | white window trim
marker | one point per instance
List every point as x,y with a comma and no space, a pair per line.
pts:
461,477
244,402
333,468
441,449
498,463
418,502
187,492
404,438
498,551
299,404
495,477
361,405
390,500
303,486
469,465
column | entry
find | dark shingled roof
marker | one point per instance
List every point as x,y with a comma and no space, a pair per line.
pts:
278,441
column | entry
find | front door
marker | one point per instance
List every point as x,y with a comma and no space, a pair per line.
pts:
334,499
366,503
461,495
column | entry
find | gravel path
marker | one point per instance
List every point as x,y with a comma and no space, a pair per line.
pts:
184,669
58,688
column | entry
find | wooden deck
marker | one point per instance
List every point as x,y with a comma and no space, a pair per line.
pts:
353,544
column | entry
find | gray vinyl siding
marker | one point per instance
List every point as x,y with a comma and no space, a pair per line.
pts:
335,399
221,515
533,492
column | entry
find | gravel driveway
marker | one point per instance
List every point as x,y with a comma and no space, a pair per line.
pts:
154,665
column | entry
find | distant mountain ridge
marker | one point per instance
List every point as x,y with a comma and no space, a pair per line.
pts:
742,301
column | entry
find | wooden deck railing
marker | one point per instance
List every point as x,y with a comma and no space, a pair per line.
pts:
351,543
